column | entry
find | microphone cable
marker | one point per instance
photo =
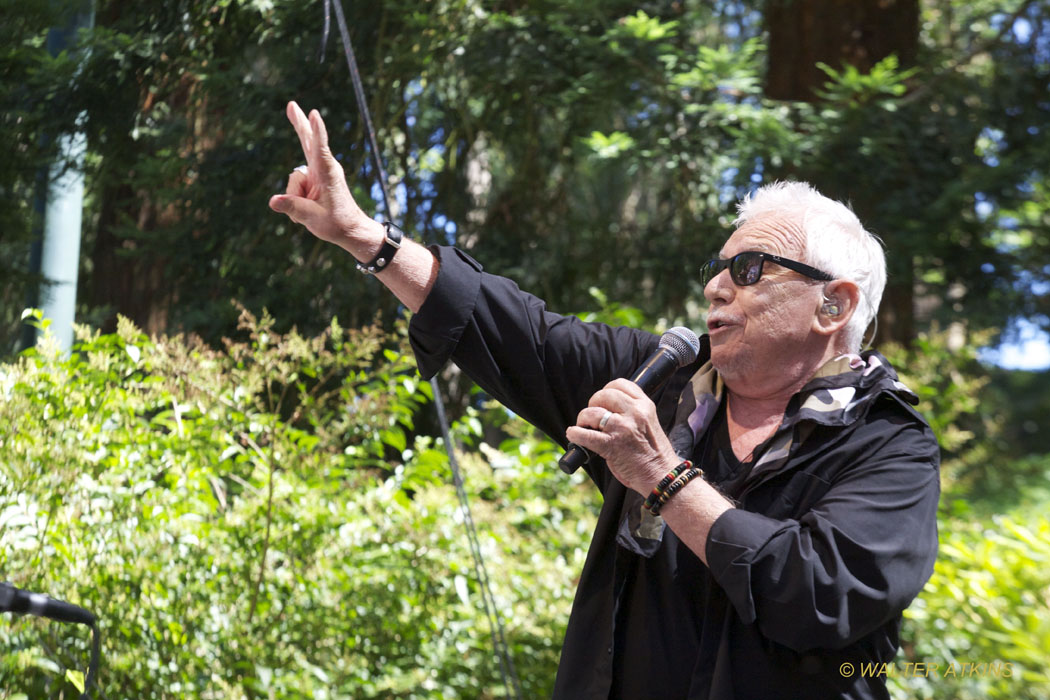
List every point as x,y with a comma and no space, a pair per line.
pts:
506,663
23,602
92,674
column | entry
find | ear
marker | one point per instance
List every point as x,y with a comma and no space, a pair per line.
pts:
837,306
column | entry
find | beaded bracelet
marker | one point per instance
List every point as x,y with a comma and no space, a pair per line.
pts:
658,490
675,488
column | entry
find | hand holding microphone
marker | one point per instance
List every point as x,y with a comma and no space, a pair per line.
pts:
678,347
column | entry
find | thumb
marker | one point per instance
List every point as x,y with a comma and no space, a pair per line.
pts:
299,209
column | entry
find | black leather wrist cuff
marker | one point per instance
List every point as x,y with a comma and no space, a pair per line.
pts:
386,253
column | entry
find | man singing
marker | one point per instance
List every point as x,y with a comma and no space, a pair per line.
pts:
768,515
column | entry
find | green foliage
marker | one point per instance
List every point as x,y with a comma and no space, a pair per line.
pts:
613,313
979,415
264,522
854,88
944,372
984,616
1027,394
936,159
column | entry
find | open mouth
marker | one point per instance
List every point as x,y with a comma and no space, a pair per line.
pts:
716,324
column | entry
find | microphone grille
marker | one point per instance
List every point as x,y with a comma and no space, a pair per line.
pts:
682,342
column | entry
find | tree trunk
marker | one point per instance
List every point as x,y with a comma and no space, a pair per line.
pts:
858,33
897,311
125,281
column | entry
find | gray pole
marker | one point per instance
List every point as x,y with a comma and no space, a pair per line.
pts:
64,203
60,253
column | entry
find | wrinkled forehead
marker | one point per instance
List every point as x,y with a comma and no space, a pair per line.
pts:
770,233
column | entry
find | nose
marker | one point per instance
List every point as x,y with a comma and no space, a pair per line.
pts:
720,288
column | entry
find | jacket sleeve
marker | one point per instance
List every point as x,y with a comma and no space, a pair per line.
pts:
852,562
541,365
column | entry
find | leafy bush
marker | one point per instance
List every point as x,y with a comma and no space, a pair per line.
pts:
950,382
984,617
262,522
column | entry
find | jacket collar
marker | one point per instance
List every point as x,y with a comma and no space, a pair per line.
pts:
839,393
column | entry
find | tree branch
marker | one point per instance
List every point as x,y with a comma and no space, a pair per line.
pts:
975,50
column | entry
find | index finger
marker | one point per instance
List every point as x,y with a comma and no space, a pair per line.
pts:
617,396
628,387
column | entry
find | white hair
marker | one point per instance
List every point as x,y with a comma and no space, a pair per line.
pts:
834,241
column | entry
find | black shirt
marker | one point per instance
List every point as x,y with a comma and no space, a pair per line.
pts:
812,569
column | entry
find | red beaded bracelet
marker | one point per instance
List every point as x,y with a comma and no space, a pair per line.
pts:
675,488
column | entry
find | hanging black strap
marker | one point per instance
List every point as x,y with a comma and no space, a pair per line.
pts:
506,663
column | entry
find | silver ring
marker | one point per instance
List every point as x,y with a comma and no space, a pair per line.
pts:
301,169
604,420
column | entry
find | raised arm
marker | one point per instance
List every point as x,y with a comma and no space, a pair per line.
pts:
320,200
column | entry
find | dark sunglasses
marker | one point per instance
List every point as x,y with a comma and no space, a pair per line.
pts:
746,268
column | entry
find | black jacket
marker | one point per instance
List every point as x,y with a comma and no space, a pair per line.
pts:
808,575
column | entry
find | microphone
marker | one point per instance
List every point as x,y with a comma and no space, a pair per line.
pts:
678,347
18,601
